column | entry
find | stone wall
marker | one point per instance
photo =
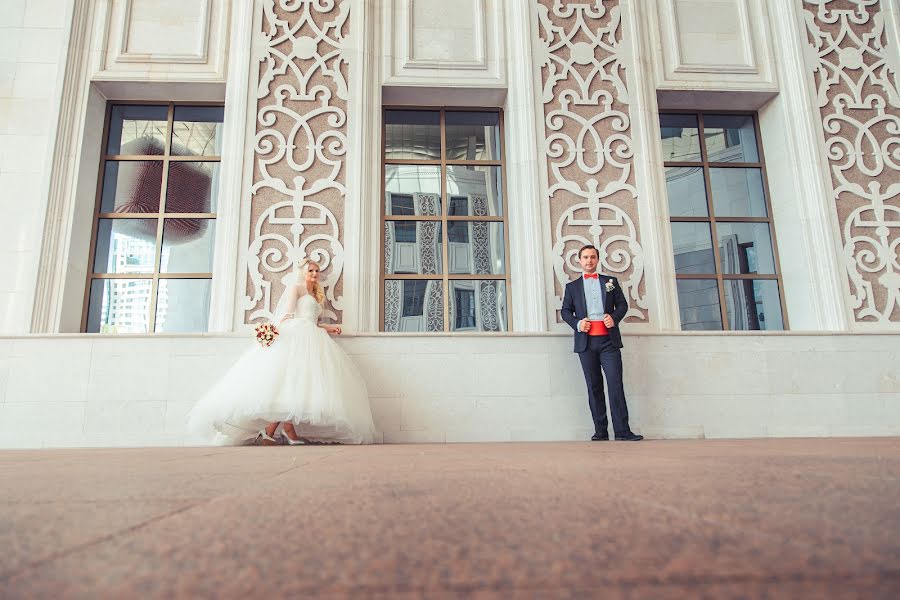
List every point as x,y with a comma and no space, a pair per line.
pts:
58,391
33,34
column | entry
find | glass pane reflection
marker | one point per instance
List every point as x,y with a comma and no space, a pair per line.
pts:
125,246
730,138
473,135
193,187
698,304
476,248
137,130
686,190
412,190
412,305
131,186
478,305
753,304
745,248
474,191
119,306
738,192
197,130
413,247
412,134
187,246
680,138
692,246
182,305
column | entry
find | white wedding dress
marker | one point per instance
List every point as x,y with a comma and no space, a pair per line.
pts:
304,377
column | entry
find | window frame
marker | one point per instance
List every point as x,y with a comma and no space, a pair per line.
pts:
166,158
445,218
705,165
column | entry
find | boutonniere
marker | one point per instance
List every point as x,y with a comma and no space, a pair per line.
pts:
610,286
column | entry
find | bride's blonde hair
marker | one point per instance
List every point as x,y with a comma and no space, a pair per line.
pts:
303,267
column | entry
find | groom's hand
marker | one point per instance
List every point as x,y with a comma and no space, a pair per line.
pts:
583,326
608,321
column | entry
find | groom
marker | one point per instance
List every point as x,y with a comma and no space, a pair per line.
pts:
593,306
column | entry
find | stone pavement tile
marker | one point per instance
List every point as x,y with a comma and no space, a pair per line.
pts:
159,473
690,519
73,498
846,589
832,508
484,530
836,507
31,533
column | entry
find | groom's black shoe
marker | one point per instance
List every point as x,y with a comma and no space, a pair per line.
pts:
629,437
600,438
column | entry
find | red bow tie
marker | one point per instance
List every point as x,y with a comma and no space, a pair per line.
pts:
591,276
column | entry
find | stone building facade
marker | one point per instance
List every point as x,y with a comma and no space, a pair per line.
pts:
737,162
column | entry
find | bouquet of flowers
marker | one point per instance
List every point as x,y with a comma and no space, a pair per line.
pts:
266,334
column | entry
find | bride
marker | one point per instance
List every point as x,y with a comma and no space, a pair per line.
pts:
303,384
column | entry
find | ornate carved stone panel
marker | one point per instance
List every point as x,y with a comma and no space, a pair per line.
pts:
297,202
588,145
855,69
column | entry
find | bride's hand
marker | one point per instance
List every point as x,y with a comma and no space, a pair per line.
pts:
333,330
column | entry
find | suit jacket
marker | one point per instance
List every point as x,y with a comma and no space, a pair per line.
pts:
574,309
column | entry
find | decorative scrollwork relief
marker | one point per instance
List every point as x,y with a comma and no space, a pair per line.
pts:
855,69
428,245
434,306
481,247
393,304
479,205
588,144
297,202
489,308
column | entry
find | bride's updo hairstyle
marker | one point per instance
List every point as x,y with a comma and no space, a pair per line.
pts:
303,267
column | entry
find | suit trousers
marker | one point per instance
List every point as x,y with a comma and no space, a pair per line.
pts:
601,358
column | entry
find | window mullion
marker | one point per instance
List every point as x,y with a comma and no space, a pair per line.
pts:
160,225
714,236
382,227
445,259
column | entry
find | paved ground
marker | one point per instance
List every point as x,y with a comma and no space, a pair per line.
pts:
664,519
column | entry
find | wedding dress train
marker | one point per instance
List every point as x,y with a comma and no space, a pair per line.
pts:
304,378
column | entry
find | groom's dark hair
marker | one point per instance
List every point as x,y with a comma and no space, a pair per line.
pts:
589,247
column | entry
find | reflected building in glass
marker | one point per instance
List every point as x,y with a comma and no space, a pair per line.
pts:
155,222
716,188
445,239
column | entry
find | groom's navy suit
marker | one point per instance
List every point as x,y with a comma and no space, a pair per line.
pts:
600,355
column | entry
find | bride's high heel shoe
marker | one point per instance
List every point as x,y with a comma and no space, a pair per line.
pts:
298,442
264,439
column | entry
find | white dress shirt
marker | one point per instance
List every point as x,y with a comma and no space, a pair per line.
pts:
593,298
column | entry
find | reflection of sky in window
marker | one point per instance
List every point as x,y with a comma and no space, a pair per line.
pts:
411,179
730,138
467,180
681,144
200,139
152,131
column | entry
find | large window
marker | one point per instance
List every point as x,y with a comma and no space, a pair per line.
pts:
444,250
717,190
154,226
